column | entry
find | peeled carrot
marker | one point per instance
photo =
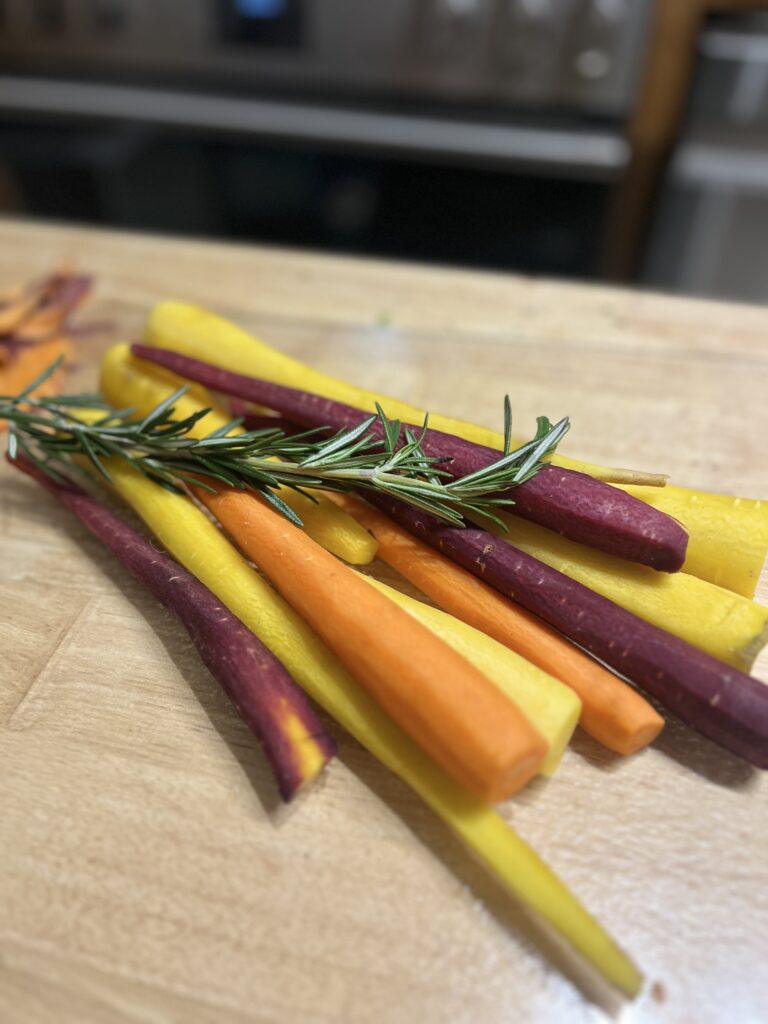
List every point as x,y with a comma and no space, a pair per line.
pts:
724,624
727,536
193,540
726,705
573,504
198,333
549,705
453,711
125,381
612,712
265,695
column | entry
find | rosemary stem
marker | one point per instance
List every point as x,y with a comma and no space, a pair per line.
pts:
57,436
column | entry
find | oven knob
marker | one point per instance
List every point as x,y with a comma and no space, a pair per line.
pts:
592,65
600,27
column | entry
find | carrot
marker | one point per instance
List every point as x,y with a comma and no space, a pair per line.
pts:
567,502
34,329
201,547
550,706
27,362
39,309
267,698
726,625
722,703
125,381
15,311
612,712
192,331
61,294
727,536
453,711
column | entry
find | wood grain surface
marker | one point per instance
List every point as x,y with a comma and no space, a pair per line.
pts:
146,874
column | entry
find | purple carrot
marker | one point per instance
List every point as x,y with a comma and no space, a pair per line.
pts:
570,503
67,291
259,421
265,695
722,703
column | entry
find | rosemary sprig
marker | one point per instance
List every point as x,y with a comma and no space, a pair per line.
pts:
59,433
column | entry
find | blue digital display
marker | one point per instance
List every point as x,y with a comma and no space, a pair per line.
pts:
261,8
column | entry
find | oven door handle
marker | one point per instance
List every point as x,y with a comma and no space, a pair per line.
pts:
587,153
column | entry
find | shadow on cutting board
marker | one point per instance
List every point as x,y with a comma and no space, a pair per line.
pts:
682,744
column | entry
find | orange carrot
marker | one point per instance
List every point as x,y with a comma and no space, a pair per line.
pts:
612,712
28,362
446,705
14,313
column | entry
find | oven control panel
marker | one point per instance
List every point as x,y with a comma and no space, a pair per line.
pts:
564,54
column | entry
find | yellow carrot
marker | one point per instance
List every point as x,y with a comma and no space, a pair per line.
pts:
551,707
195,542
196,332
728,537
612,711
125,381
725,625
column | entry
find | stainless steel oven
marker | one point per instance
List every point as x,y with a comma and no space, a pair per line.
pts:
480,130
711,223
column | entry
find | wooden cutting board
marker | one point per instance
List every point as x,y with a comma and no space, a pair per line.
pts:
146,873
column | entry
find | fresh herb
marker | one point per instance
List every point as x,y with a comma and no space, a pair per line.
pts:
54,432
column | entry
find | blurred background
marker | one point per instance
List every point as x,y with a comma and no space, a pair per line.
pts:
622,140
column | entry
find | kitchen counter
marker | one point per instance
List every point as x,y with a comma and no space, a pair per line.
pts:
146,874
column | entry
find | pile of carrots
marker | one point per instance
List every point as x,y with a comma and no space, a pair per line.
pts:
469,695
36,328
